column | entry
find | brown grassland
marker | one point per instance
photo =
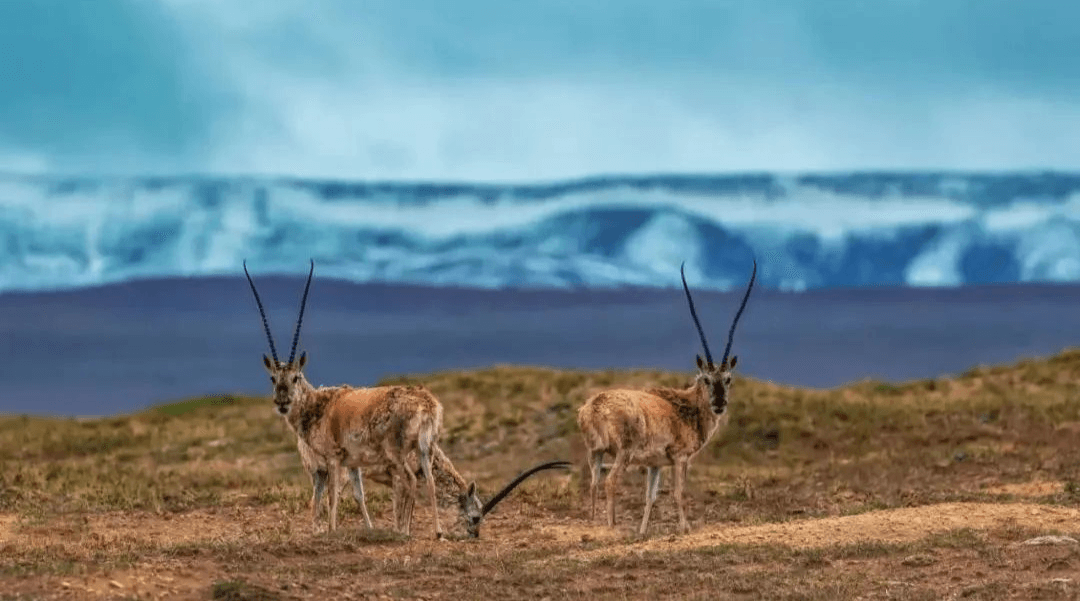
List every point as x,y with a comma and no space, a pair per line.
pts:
922,490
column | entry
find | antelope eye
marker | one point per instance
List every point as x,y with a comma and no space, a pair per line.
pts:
295,379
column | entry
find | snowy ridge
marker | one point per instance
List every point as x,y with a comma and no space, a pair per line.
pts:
807,231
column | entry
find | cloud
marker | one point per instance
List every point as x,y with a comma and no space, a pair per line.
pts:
97,84
492,90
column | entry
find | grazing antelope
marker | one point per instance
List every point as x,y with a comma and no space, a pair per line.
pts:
455,491
379,427
658,426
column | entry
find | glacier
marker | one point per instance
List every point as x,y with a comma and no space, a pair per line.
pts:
807,231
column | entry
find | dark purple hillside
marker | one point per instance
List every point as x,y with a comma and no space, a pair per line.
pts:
122,347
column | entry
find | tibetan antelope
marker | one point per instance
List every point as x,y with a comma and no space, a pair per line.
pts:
379,428
658,426
456,492
317,470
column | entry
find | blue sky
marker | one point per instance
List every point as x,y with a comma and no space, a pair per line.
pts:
499,90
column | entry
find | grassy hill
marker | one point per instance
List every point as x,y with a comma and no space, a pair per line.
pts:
82,499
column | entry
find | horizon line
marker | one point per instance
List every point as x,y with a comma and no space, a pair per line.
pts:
582,180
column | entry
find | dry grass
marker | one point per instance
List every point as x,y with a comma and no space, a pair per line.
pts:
206,499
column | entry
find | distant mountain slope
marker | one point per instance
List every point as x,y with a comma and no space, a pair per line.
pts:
811,231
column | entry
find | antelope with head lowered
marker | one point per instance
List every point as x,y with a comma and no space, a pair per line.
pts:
657,427
455,492
392,430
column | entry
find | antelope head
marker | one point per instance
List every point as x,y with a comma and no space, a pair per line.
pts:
472,512
288,377
716,377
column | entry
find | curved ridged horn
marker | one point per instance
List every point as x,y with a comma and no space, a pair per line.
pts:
262,313
693,313
735,322
300,320
499,496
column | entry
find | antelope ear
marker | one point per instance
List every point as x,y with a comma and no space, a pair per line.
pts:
266,362
734,360
700,363
472,489
303,360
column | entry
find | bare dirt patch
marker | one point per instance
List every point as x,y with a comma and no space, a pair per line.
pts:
889,526
1034,489
6,524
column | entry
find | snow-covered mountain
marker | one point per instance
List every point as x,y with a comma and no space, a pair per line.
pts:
807,231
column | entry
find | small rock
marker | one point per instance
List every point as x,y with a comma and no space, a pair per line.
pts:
65,584
1061,581
1058,564
918,561
1050,540
115,584
971,590
585,538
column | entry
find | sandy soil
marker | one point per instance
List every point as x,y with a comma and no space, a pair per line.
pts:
890,526
188,562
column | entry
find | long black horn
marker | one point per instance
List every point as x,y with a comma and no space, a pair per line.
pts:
499,496
262,313
693,313
735,322
300,320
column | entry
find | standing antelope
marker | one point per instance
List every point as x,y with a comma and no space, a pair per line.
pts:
658,426
379,427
